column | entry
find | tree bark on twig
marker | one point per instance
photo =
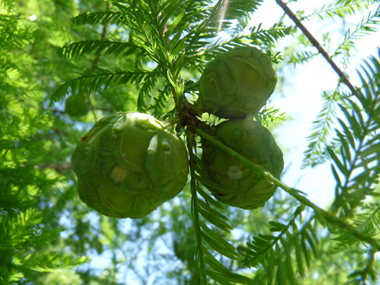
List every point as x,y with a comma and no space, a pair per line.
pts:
95,62
318,46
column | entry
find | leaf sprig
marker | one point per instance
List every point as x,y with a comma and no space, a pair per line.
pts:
209,265
179,35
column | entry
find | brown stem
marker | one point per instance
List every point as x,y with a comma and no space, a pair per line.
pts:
91,106
51,110
317,45
95,62
104,109
59,168
174,97
58,131
103,35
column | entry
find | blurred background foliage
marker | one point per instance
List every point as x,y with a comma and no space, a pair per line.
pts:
47,235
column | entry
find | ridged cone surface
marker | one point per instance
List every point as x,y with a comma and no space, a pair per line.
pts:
77,106
236,84
240,186
128,164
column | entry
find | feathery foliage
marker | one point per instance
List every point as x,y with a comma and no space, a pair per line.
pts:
359,151
27,226
147,56
339,9
365,27
316,152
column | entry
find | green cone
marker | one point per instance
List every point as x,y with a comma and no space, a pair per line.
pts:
76,106
128,164
236,84
240,186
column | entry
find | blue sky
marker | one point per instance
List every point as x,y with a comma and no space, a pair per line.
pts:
301,99
301,96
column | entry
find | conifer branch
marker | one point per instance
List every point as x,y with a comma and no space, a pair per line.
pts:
59,168
91,106
95,62
102,37
293,192
195,213
317,45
